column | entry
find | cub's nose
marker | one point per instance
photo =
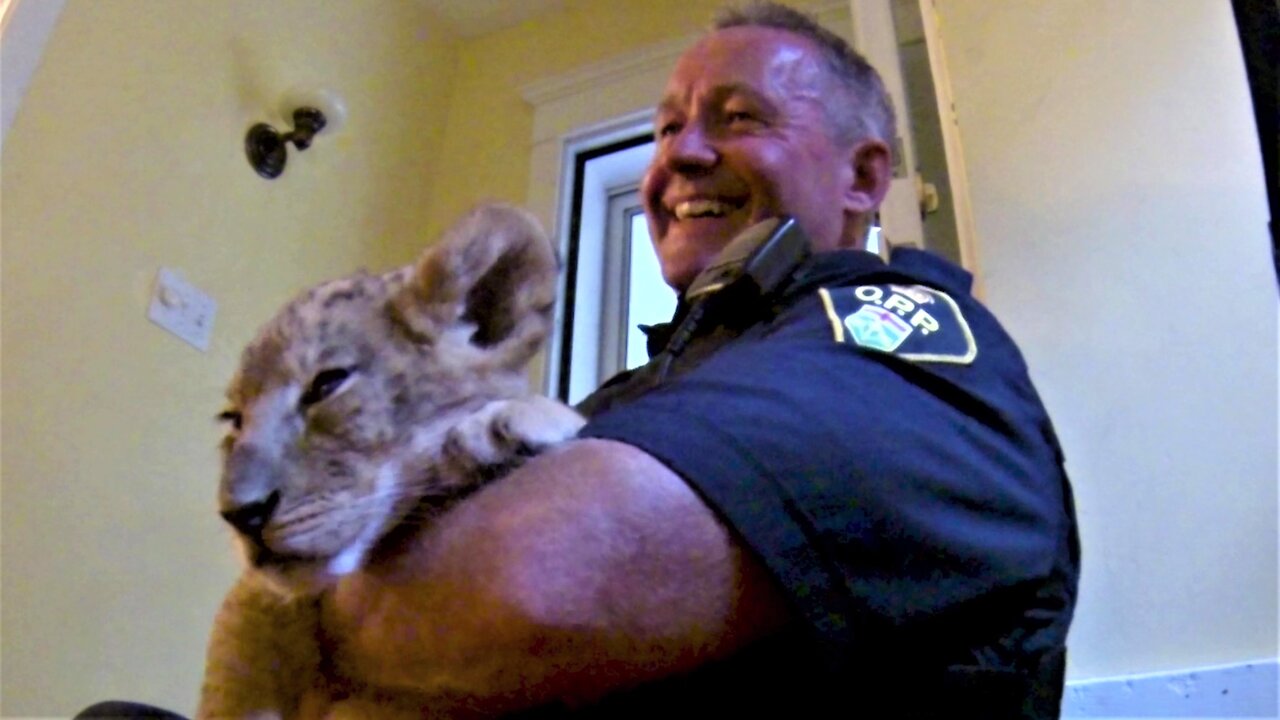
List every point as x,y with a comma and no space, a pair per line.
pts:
250,518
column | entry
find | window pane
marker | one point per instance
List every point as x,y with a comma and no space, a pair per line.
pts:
649,300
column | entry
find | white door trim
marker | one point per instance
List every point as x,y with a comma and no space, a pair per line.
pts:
966,231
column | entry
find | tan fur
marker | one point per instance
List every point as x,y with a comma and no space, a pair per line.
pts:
433,400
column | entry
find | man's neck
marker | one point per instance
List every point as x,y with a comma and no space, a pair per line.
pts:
871,239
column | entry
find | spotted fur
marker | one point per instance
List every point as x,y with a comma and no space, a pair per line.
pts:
363,407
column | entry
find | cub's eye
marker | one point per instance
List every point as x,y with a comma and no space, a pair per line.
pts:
325,383
232,418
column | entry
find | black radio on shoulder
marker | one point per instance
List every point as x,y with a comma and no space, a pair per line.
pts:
748,271
758,261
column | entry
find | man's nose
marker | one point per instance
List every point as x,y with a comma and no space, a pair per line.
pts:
691,149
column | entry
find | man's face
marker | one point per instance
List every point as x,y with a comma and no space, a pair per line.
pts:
742,136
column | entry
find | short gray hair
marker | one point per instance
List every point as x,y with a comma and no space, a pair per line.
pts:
866,110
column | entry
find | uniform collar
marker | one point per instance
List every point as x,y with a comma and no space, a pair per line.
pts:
932,269
828,268
832,268
838,267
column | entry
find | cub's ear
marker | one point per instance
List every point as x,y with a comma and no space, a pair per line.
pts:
489,283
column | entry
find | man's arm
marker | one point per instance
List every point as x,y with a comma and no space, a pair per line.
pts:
592,568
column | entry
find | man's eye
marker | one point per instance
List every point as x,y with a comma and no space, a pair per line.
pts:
232,418
325,383
668,129
735,117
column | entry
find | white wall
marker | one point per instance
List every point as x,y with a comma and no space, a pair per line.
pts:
1121,215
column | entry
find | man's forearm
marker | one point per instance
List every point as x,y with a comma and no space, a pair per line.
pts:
590,569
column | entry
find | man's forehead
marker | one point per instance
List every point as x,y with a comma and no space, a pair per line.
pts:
744,58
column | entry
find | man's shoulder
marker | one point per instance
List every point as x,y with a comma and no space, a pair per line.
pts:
917,308
910,322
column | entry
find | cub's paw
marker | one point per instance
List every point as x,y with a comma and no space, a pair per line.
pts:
502,434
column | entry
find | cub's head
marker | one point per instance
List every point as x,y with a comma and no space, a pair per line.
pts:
341,402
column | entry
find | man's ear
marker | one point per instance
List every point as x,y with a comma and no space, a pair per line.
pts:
871,166
489,283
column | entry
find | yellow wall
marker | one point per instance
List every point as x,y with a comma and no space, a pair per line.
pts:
1121,213
126,156
490,127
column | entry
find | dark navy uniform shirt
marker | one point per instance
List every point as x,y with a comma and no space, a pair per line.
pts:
874,438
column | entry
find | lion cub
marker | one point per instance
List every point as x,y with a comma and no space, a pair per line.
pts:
361,411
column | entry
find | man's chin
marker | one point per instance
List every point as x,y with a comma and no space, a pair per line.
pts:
683,262
678,280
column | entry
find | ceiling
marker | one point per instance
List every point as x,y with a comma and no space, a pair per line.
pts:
469,18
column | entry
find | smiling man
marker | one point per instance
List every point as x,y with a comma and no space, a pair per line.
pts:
757,123
900,538
844,498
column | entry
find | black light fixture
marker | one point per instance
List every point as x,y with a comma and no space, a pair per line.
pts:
266,147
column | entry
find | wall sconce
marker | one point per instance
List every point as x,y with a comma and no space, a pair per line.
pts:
312,111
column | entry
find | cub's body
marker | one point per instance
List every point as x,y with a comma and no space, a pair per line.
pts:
359,415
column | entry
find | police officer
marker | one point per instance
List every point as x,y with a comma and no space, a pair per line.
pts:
834,493
866,430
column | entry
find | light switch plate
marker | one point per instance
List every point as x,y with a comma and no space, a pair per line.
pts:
182,309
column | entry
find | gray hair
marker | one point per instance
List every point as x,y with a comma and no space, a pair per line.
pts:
865,109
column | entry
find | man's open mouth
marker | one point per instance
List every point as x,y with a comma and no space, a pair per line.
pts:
701,208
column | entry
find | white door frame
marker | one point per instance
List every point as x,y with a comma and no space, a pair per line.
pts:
875,38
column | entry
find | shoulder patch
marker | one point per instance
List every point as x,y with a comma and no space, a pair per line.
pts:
912,322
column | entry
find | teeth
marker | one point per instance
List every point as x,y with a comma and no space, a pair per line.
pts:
701,208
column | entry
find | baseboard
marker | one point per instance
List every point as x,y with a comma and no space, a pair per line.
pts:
1246,690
